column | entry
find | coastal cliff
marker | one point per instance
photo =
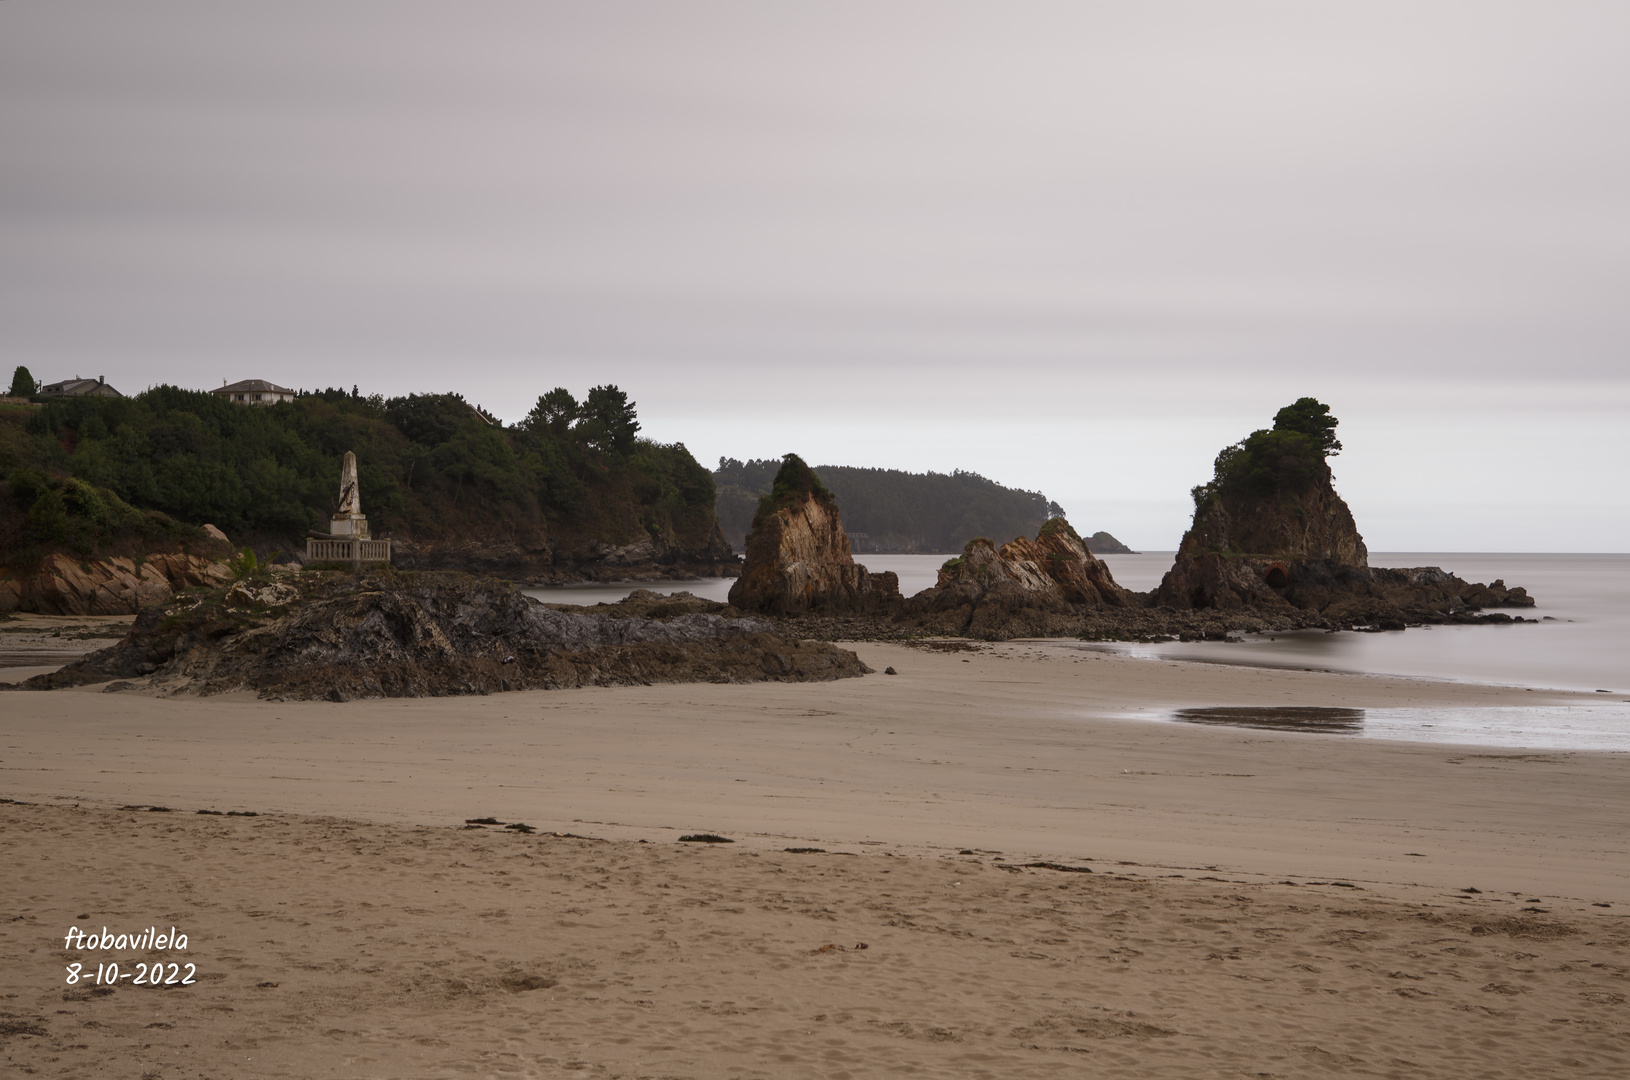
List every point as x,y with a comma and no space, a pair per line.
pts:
69,547
798,556
337,636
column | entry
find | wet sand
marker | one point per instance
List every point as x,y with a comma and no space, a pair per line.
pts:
1260,902
35,644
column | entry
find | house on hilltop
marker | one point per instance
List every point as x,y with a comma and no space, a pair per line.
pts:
255,392
77,387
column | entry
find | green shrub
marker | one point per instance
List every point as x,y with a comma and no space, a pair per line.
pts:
244,564
1287,458
22,383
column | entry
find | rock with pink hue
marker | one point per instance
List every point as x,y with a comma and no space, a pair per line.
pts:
798,557
1024,586
63,585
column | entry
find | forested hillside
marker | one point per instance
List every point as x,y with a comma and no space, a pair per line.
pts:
569,483
897,511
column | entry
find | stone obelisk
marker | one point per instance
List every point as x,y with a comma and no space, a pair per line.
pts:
349,520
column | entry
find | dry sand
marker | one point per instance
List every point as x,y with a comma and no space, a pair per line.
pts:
1261,903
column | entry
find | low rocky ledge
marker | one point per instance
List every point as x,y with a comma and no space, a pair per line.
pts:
338,636
64,585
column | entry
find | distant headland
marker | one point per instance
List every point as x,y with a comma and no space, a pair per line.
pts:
889,511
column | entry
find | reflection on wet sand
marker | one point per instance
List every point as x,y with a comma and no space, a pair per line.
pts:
1279,718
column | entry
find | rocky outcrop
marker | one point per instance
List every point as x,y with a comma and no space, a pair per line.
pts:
335,636
1270,534
1251,549
1269,522
63,585
1101,543
798,557
1024,587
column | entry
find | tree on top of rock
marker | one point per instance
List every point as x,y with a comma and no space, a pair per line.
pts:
794,482
1288,458
1310,417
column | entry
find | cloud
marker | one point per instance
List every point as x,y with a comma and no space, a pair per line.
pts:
933,233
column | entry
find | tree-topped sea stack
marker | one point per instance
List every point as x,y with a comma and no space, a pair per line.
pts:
1269,526
1271,533
798,558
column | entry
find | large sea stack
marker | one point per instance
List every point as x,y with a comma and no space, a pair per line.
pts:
798,556
1271,534
1269,526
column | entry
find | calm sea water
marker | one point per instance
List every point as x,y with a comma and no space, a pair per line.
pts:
1584,646
917,572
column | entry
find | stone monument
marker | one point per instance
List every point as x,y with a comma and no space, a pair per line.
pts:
349,520
347,538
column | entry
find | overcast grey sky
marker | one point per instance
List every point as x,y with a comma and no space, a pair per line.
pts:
1076,247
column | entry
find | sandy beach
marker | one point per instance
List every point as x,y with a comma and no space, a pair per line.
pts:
1260,903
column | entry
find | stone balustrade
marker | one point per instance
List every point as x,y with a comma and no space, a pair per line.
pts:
351,551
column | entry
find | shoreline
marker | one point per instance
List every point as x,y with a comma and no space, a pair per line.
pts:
1109,648
1014,746
28,632
973,867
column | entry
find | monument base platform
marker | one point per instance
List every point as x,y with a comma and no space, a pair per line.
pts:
350,550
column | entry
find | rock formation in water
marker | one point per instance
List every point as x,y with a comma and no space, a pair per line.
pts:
1271,534
798,557
1023,587
1101,543
336,636
63,585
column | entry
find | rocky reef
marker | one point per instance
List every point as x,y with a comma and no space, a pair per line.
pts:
1025,587
1101,543
337,636
798,556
